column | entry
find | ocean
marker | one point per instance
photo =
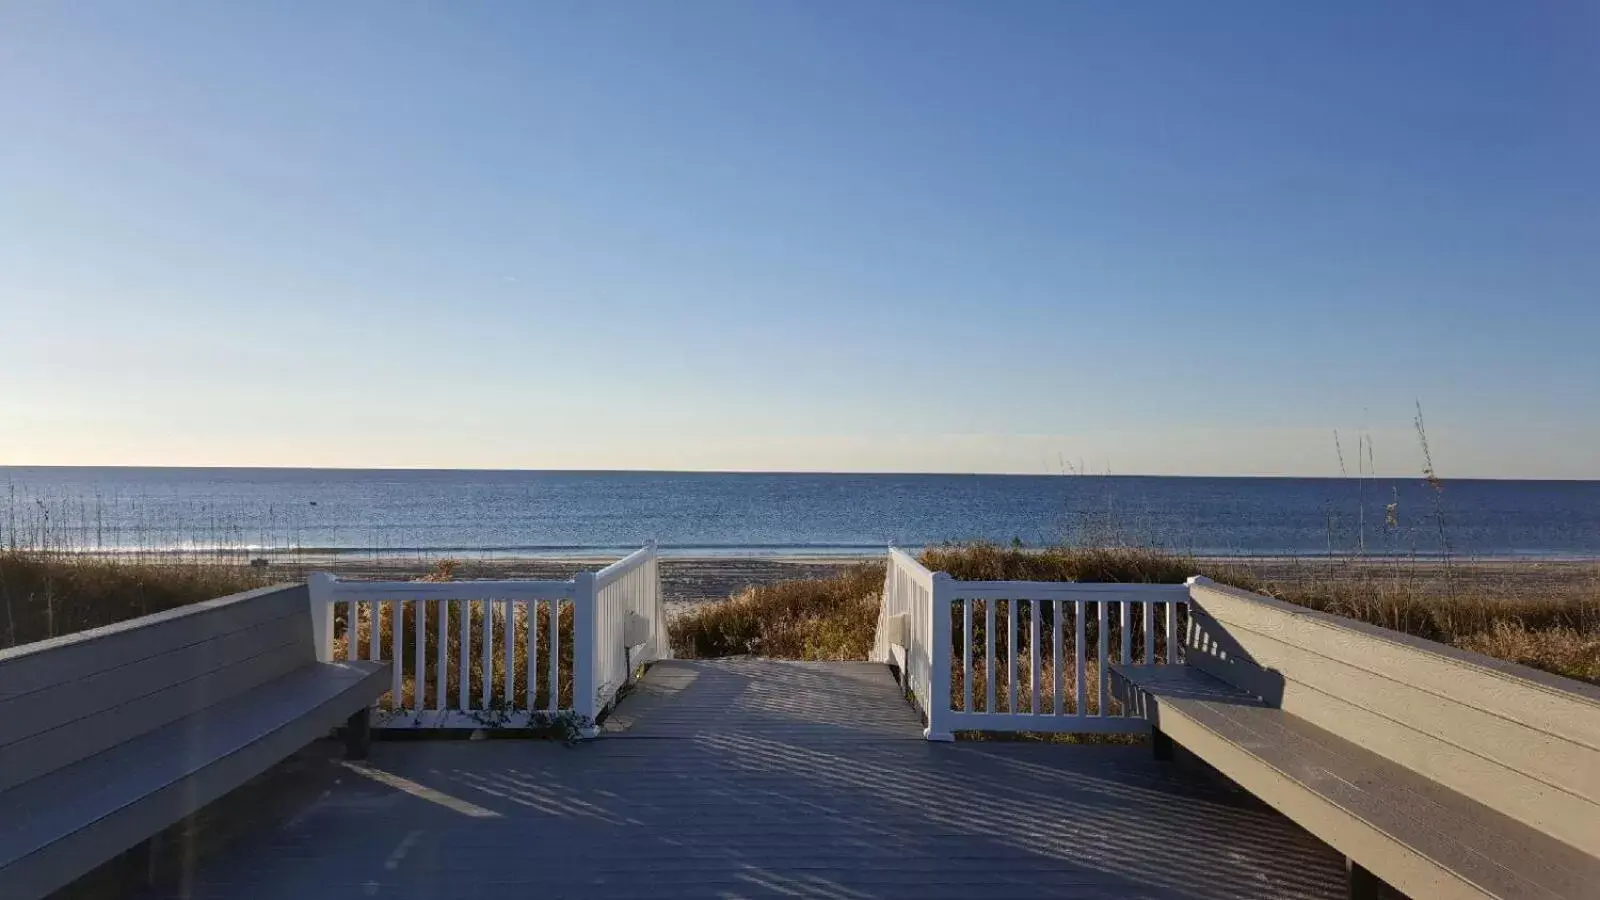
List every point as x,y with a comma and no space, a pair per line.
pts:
532,513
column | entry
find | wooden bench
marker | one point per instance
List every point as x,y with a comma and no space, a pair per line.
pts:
109,736
1441,772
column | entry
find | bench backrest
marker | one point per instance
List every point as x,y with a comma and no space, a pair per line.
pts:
1521,741
70,697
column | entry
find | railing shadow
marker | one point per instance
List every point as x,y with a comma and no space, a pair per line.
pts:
1210,648
776,781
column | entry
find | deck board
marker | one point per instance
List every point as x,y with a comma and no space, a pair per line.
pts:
758,778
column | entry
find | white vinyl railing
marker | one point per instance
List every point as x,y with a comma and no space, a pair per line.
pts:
1016,656
475,654
630,625
905,624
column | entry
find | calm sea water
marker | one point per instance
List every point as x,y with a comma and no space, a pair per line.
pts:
556,513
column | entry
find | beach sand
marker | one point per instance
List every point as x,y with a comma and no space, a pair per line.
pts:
690,582
685,583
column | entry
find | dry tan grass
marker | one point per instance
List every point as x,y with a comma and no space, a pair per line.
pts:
1518,612
818,618
993,562
47,594
1565,651
444,571
475,667
1536,614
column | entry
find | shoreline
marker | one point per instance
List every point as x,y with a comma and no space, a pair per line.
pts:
415,556
687,582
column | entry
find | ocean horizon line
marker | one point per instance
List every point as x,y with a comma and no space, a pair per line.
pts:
773,551
865,473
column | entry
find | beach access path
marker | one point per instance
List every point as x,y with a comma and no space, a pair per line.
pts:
761,778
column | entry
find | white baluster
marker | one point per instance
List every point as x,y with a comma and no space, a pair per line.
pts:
1011,656
511,659
396,636
463,670
441,656
533,652
555,654
486,689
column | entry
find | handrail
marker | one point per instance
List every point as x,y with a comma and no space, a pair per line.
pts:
451,590
1065,590
910,567
1020,655
628,563
489,653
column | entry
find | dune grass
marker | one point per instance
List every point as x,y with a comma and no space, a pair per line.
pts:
1555,628
1510,613
813,618
44,594
515,618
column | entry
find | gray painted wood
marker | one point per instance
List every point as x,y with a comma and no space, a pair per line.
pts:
840,700
1539,778
31,667
1560,706
111,735
49,708
1407,828
55,828
722,785
1518,746
42,753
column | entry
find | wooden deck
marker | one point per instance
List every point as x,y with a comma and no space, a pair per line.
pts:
760,778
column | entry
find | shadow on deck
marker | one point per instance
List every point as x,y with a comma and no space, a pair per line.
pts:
758,778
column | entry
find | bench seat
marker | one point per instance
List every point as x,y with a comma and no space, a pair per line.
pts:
1364,805
56,827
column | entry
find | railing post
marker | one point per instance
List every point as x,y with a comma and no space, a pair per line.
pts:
661,646
320,588
939,659
585,646
1174,640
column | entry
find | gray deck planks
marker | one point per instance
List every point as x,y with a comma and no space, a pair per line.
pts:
1311,766
53,828
757,778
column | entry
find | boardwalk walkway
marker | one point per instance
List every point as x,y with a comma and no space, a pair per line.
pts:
760,778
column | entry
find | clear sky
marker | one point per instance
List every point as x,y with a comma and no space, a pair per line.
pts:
1155,237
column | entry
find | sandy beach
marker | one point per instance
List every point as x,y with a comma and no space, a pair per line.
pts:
689,582
685,582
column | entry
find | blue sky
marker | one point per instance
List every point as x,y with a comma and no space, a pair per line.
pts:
1163,238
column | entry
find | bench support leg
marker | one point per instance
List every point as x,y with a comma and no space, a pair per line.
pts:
145,857
1161,744
1363,884
358,735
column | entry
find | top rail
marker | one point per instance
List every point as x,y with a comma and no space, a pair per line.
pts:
448,590
617,570
1070,590
908,567
627,625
